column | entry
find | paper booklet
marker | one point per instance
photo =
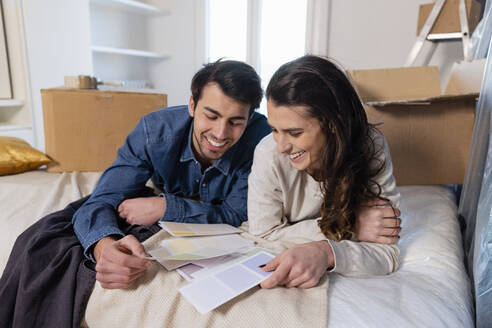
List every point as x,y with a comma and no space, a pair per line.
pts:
177,252
197,229
218,263
202,268
233,279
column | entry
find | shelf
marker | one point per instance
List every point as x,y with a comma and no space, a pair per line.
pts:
129,52
17,131
11,103
133,6
4,127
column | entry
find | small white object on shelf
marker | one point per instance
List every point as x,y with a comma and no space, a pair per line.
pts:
129,52
12,127
134,6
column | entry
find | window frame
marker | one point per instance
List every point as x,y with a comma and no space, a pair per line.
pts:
5,82
316,39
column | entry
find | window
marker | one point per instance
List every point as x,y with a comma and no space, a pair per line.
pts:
264,33
227,29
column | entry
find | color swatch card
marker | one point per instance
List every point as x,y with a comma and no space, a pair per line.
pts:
208,293
177,252
196,229
201,268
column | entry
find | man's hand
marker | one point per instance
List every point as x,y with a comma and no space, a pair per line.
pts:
142,211
378,224
300,266
119,262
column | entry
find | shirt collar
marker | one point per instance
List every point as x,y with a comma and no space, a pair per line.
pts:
223,164
187,154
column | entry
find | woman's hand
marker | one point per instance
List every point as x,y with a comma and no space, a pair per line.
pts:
378,224
300,266
142,211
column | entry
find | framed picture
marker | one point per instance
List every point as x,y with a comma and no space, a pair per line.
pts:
5,87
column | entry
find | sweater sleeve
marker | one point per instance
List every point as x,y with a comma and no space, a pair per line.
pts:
265,204
385,178
364,259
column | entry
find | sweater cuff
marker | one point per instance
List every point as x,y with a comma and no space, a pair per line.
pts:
339,257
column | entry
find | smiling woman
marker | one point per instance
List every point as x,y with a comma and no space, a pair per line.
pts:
297,135
312,177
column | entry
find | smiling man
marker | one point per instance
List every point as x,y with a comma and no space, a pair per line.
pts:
199,155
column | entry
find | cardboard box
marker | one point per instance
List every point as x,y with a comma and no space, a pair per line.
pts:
428,132
448,20
84,128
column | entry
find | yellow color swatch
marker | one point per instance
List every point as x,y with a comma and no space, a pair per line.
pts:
181,245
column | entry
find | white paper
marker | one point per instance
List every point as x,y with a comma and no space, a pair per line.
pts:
177,252
178,229
201,268
208,293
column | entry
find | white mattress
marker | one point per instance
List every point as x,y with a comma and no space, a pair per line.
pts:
430,289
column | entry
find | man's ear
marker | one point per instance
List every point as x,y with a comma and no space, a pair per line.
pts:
191,107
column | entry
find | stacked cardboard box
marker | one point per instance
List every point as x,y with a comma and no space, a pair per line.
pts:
84,128
429,132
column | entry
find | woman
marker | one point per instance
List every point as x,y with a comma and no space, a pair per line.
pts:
322,162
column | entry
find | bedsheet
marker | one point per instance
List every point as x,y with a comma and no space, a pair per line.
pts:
27,197
430,289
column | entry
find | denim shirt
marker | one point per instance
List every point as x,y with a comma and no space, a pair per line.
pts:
160,148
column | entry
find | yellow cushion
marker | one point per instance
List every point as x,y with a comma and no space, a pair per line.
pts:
18,156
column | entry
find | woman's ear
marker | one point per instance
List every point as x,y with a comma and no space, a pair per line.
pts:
331,127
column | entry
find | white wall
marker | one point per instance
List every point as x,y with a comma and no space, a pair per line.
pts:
372,34
179,34
380,33
57,44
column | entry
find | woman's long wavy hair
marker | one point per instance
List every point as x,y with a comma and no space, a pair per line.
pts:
349,161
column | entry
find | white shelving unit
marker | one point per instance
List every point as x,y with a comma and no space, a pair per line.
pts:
119,39
15,111
11,103
133,6
23,132
129,52
114,40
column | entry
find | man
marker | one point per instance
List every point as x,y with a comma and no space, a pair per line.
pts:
199,155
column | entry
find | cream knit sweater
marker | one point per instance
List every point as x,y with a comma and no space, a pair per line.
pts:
284,205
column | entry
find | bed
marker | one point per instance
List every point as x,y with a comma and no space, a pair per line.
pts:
430,289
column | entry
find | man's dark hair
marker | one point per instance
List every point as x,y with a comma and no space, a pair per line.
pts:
236,79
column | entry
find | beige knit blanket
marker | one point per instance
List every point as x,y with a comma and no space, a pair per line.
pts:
154,301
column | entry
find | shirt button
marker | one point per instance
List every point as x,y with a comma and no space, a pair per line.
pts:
204,185
197,180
